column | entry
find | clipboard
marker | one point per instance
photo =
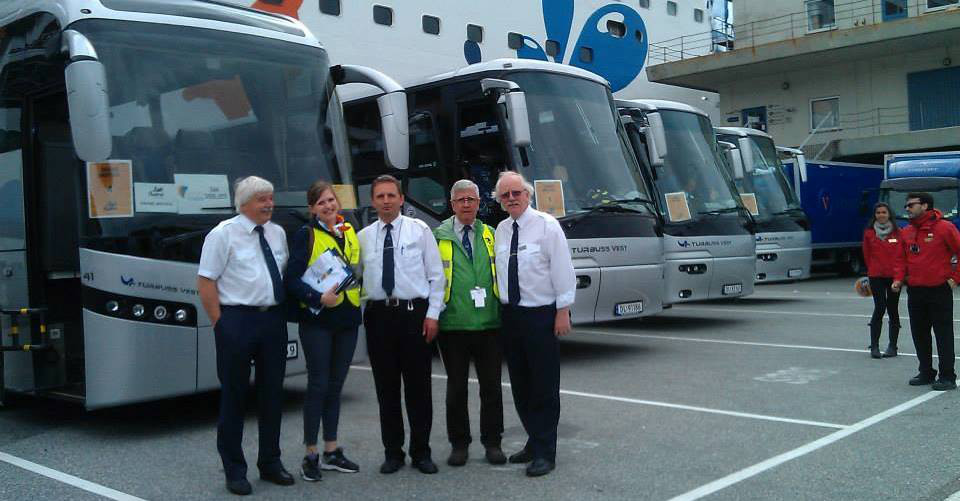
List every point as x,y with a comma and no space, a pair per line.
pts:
328,270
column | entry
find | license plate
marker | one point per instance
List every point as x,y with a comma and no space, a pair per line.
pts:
293,350
732,289
796,272
634,308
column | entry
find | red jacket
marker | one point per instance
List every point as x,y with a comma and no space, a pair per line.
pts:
883,257
931,242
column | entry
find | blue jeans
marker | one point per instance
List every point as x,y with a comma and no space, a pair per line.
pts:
328,353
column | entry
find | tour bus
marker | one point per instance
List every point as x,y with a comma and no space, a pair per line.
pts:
556,125
124,126
708,241
783,230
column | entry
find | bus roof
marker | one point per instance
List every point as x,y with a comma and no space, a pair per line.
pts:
507,64
743,132
210,14
659,104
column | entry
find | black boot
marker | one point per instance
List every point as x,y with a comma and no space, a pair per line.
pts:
892,347
875,340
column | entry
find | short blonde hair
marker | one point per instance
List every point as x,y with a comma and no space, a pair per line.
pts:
247,187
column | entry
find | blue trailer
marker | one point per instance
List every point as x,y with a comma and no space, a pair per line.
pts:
837,198
937,173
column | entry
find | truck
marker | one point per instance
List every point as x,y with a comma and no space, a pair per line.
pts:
937,173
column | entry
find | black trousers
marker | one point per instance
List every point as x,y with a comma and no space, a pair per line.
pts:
243,334
398,352
932,307
458,349
884,300
533,359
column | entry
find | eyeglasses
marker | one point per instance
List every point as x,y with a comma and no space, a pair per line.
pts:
507,195
911,204
466,200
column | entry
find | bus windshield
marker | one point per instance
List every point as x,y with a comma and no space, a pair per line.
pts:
692,181
192,110
766,187
576,140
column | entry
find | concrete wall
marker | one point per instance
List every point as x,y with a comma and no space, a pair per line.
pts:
863,87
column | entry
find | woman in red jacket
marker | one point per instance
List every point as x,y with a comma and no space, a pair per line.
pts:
883,251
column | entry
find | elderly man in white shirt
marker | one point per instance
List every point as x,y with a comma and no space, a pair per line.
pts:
537,287
404,285
242,291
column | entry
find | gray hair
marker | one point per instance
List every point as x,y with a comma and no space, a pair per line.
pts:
526,184
463,185
247,187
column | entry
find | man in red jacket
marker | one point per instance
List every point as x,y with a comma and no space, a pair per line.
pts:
931,243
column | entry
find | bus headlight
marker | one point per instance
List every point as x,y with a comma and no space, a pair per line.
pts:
160,312
113,306
138,310
180,315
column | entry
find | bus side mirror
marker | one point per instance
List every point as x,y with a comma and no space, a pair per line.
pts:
732,155
747,153
393,110
656,139
802,163
515,101
89,107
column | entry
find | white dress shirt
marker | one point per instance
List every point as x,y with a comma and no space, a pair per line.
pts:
233,258
544,265
418,271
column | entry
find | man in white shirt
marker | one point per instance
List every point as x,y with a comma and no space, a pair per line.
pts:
537,287
242,292
404,285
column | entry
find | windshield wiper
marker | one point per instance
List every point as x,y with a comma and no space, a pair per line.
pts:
617,205
721,211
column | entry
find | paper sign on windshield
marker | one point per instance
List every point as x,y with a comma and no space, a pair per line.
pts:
199,192
750,202
110,189
550,196
677,207
155,197
345,196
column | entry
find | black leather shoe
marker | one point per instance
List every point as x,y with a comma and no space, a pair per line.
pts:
425,465
458,456
239,487
922,380
522,456
279,477
540,467
391,465
495,455
944,385
890,352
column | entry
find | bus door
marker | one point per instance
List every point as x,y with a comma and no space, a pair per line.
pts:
481,154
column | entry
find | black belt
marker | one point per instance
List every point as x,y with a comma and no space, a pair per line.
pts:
392,302
244,307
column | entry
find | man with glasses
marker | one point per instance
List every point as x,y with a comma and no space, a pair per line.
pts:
931,243
537,291
469,324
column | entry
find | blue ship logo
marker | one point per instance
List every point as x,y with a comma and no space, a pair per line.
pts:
617,57
126,281
684,243
759,238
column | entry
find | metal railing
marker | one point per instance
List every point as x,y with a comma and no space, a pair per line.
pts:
854,13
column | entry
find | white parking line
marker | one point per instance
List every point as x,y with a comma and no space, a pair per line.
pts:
727,341
826,295
775,461
779,312
67,479
668,405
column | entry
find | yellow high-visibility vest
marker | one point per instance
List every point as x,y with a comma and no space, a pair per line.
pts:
350,254
446,257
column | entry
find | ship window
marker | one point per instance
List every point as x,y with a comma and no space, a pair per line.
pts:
552,47
331,7
698,15
586,54
616,28
514,40
820,15
475,33
936,4
825,113
431,25
672,8
644,4
382,15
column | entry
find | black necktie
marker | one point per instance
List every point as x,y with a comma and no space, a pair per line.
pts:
513,270
388,261
278,291
466,242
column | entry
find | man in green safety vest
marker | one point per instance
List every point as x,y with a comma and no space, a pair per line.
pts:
470,323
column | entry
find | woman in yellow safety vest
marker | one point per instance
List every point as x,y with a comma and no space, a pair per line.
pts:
328,327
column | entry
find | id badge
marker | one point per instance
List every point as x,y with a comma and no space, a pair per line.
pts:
479,296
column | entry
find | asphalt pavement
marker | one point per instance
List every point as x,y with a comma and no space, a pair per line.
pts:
772,396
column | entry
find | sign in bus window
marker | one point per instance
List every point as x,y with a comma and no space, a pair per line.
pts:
750,202
549,194
110,189
677,207
198,193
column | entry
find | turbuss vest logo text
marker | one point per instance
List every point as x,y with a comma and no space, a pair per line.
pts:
703,243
